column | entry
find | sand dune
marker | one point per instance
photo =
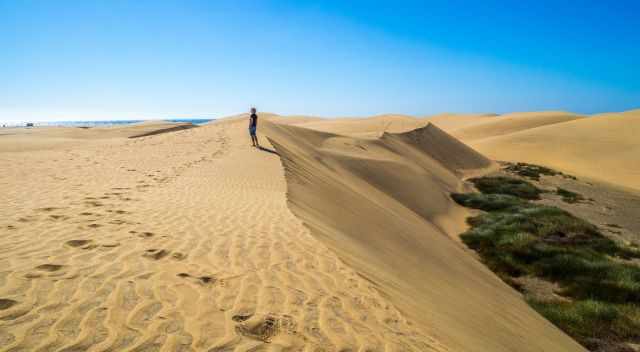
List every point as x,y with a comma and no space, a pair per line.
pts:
566,141
371,127
509,123
41,138
604,147
340,236
450,122
383,206
175,242
464,126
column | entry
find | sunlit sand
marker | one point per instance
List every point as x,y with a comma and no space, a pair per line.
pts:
337,235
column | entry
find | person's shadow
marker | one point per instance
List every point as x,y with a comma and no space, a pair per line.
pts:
268,150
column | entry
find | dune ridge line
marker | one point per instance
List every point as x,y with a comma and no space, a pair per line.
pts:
383,206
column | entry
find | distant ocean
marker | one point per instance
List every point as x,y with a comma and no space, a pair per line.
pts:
99,123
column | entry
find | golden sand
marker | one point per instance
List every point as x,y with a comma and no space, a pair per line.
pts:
338,236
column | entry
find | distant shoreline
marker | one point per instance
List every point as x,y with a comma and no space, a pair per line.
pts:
93,123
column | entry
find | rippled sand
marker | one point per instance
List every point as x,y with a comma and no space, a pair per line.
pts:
176,242
338,235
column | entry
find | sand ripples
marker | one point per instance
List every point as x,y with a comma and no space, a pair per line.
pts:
174,242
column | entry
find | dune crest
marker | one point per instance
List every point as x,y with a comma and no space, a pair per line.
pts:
605,147
179,241
449,122
511,123
454,155
369,127
383,206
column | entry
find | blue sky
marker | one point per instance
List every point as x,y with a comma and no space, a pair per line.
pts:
159,59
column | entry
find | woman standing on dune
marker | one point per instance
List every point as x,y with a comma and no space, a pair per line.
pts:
253,126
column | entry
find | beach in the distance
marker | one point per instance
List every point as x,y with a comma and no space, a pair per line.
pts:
321,176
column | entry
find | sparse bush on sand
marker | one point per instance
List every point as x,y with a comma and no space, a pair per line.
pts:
602,326
515,238
507,185
534,171
569,196
487,202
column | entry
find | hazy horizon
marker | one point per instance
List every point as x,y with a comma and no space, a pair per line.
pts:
215,117
74,60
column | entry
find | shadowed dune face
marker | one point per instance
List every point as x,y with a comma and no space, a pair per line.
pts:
602,147
434,143
171,128
383,206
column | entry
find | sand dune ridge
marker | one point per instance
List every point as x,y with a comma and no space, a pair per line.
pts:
391,220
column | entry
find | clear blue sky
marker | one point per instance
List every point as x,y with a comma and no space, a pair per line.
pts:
157,59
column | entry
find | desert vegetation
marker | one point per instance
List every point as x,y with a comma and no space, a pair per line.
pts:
533,171
597,281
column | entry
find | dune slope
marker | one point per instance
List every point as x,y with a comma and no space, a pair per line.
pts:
180,241
450,122
604,147
383,206
510,123
370,127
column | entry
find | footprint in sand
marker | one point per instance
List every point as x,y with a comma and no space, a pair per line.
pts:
156,254
59,217
47,209
94,226
204,280
144,234
118,222
179,256
6,303
207,279
110,245
49,267
266,328
78,243
119,211
241,317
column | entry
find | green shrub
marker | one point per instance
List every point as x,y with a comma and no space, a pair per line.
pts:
569,196
533,171
507,185
486,202
515,237
591,319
